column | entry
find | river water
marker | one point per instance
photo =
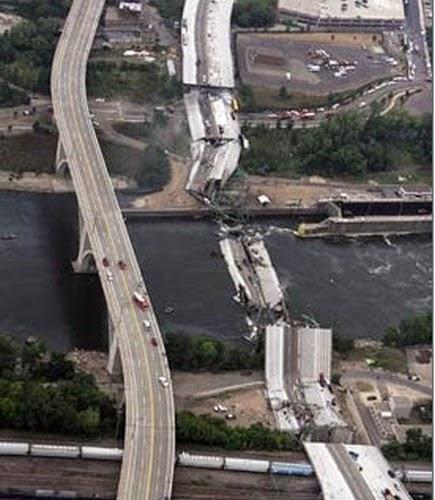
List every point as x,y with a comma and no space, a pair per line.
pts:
358,288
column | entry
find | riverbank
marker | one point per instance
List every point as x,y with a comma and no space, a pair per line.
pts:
43,183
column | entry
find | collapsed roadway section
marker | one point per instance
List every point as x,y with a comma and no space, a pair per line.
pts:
211,107
297,357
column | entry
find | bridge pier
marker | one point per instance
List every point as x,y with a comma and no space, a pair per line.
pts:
85,262
61,160
114,362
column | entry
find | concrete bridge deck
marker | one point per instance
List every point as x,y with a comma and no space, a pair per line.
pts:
148,462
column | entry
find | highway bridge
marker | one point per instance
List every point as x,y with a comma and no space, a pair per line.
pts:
148,460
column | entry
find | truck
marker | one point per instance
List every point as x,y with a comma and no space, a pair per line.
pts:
235,105
140,300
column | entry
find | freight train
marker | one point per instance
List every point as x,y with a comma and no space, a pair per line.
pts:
244,465
185,459
59,451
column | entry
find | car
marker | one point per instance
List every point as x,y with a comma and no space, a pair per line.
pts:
391,473
146,324
122,265
154,342
140,301
105,262
230,416
164,382
109,275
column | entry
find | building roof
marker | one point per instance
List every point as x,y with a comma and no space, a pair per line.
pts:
400,400
370,10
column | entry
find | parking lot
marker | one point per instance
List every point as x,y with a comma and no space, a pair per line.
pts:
314,63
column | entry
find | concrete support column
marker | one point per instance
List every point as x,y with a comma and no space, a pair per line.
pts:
84,263
61,160
114,361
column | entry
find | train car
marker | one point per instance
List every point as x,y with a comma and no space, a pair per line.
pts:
54,451
246,465
55,494
98,453
289,469
416,476
202,461
16,449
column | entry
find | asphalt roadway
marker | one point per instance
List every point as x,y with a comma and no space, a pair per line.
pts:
148,463
392,378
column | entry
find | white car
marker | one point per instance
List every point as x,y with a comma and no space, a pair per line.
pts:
109,275
146,324
164,382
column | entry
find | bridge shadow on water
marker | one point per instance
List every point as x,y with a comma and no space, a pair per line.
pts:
81,297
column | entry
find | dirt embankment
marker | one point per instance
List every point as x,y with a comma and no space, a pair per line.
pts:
47,183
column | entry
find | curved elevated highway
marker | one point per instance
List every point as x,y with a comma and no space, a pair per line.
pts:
148,460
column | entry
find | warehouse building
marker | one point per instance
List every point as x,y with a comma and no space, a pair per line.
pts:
340,14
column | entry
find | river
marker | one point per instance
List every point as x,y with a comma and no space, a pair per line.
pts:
358,288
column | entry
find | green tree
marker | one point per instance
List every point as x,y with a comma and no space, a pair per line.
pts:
411,331
8,356
283,93
207,353
246,95
254,13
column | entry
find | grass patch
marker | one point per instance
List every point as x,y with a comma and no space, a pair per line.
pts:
418,174
266,98
17,153
387,358
255,98
139,131
138,82
391,359
149,168
165,132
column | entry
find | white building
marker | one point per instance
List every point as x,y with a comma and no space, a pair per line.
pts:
364,14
